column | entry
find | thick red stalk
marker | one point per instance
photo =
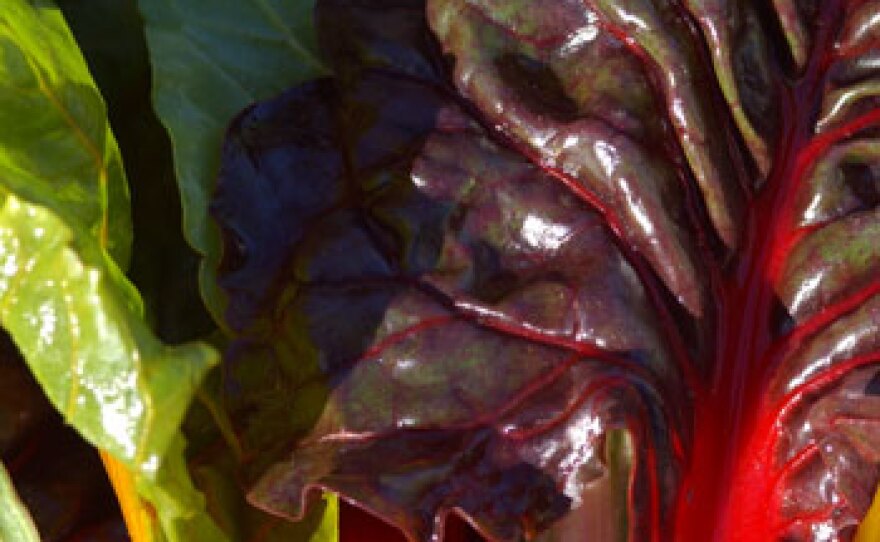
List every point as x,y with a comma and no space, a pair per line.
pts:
732,485
731,490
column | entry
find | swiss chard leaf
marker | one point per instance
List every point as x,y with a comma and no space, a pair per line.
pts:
65,236
507,234
164,268
210,59
65,302
379,276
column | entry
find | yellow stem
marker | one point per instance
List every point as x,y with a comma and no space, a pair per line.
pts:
139,518
869,530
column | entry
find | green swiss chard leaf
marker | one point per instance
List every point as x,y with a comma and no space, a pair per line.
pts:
164,268
65,238
57,147
15,522
180,506
210,59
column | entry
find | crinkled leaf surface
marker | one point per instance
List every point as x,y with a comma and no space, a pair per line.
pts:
215,469
65,235
209,60
383,315
516,250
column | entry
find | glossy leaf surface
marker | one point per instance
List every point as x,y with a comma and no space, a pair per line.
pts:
47,496
65,234
397,306
510,234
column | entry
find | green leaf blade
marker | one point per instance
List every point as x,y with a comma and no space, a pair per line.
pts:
16,525
93,356
65,238
57,148
211,59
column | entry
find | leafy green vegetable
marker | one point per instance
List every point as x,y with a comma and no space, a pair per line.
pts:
507,229
87,347
65,237
164,267
210,59
56,148
549,266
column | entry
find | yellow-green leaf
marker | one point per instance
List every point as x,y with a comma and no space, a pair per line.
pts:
16,524
65,238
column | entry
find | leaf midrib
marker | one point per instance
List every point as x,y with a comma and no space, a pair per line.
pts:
86,142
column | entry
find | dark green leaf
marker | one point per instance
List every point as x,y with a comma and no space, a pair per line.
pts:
210,59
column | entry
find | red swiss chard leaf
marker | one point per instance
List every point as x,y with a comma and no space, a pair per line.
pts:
598,270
